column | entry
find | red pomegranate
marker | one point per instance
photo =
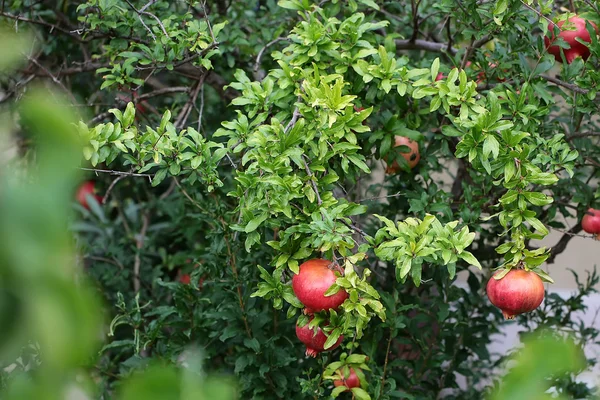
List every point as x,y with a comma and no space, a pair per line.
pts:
517,292
576,29
311,283
591,222
351,381
314,342
87,188
412,156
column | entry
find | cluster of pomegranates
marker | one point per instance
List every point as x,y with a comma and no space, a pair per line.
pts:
314,278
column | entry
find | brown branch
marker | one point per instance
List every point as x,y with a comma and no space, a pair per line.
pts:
385,364
563,242
111,187
54,78
538,13
419,44
160,92
112,172
582,134
112,261
566,85
293,121
87,67
139,243
141,12
258,76
187,108
41,23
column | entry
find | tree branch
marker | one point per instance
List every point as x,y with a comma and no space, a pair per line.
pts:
258,76
419,44
139,243
566,85
581,134
563,242
312,181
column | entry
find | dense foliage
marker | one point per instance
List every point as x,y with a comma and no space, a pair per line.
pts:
232,141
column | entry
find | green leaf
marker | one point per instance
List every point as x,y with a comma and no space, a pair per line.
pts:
255,223
360,394
470,258
333,338
435,68
161,174
491,145
537,199
405,267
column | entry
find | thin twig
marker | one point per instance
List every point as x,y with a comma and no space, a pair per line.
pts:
312,181
187,108
563,242
420,44
385,364
293,121
139,243
187,195
112,172
112,261
538,13
260,54
54,78
141,12
160,92
381,197
111,186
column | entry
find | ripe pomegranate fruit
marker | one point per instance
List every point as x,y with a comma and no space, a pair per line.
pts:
412,157
311,283
591,222
517,292
349,382
578,30
314,340
87,188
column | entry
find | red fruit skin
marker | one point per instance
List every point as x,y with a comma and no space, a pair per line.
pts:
591,221
86,188
314,342
412,157
185,279
518,292
311,283
350,382
577,49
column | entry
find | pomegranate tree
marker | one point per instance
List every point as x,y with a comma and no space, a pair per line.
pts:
348,378
314,339
519,291
314,278
572,28
591,222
